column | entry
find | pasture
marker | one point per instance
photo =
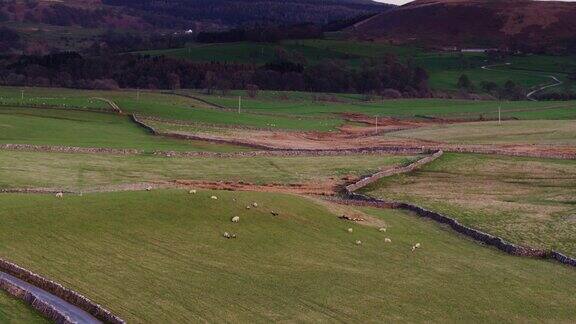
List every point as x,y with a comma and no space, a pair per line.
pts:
524,200
548,132
81,171
15,311
166,250
88,129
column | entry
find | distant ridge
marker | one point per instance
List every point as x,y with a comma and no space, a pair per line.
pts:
511,23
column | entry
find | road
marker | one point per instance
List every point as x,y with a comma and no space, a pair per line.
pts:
75,314
529,96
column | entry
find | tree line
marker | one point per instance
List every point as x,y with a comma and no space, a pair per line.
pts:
385,77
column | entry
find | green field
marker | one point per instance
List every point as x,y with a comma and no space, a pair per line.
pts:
165,249
80,171
15,311
87,129
444,67
524,200
549,132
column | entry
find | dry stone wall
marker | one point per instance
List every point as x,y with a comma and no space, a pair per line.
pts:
67,149
358,199
56,289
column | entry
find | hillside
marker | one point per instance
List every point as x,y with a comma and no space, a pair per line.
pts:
517,24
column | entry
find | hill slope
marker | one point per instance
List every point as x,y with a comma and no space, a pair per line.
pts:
512,23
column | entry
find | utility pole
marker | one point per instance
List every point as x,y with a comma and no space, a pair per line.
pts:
499,116
376,125
22,94
239,104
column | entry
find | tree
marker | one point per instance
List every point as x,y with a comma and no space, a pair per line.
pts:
252,90
464,83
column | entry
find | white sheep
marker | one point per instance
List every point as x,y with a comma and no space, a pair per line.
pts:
214,197
235,219
382,229
149,188
226,235
247,207
350,230
358,242
192,192
387,240
59,195
255,205
416,246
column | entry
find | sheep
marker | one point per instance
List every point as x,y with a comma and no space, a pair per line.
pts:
358,242
149,188
192,192
416,246
226,235
255,205
382,229
59,195
350,230
247,207
274,213
387,240
214,197
235,219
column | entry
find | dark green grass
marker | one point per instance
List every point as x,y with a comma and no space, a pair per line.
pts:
87,129
165,250
13,310
525,200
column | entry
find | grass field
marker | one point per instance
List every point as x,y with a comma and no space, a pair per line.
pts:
551,132
403,108
527,201
77,171
165,249
15,311
87,129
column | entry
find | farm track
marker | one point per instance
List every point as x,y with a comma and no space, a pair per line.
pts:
555,81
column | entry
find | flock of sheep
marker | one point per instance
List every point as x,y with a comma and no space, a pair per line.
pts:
236,219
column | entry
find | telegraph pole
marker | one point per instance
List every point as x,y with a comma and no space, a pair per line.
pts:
239,104
22,94
376,125
499,116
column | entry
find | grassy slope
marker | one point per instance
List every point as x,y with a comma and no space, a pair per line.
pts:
15,311
553,132
172,107
28,169
86,129
165,250
276,102
525,200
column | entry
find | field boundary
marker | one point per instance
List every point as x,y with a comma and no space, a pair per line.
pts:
68,149
352,198
55,289
54,107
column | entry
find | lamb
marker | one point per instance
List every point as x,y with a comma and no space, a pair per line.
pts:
192,192
350,230
358,242
149,188
416,246
382,229
235,219
214,197
387,240
247,207
59,195
229,235
255,205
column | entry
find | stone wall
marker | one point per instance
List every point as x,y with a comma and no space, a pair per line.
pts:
357,199
56,289
67,149
390,172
